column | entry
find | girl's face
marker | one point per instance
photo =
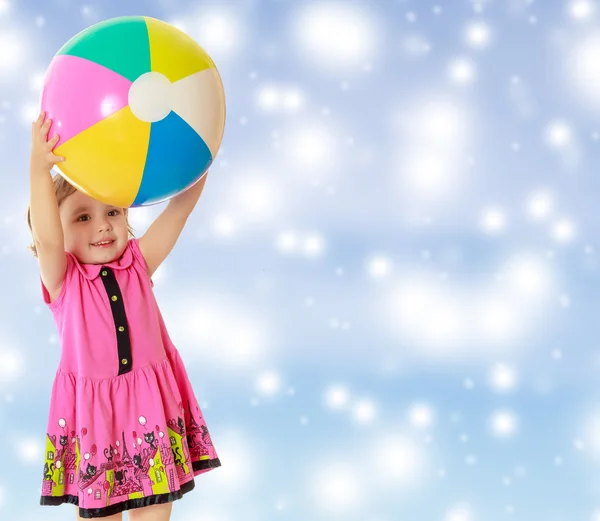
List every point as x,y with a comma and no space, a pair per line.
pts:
86,223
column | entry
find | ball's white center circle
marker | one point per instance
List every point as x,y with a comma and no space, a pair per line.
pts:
150,97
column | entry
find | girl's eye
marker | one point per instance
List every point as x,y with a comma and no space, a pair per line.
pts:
83,217
112,213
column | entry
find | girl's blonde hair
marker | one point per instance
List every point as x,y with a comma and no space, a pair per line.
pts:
63,189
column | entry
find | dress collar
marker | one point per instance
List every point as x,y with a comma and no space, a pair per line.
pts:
91,271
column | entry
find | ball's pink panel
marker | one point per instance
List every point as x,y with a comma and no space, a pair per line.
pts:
79,93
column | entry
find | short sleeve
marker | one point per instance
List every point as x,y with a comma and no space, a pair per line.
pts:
138,257
63,289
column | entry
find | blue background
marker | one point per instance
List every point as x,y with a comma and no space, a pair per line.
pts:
387,296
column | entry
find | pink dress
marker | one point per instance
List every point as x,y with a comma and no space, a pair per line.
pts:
125,429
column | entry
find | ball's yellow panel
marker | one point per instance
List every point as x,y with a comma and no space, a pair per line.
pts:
199,100
174,53
107,160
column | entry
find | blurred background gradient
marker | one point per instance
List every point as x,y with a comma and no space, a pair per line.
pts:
387,297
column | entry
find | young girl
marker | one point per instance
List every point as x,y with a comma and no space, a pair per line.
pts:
125,431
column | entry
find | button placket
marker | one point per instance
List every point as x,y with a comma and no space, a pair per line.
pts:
120,319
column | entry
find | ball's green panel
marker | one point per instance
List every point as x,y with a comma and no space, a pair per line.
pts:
120,44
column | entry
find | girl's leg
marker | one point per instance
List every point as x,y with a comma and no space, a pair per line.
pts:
116,517
151,513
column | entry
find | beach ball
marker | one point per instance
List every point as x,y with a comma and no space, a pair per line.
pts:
139,107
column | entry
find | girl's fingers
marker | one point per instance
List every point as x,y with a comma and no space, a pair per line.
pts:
39,122
53,140
46,127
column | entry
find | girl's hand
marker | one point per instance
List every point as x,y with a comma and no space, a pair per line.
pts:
42,156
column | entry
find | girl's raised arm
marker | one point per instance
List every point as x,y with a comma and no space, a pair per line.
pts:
43,207
161,236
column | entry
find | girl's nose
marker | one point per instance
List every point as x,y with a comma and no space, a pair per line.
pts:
105,226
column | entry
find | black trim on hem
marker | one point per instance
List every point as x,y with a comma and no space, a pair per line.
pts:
206,464
89,513
54,501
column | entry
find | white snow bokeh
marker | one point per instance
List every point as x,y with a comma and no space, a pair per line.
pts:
433,137
12,52
334,34
496,315
338,488
399,466
478,34
503,378
504,424
379,266
421,415
241,450
399,462
462,71
337,397
582,10
540,204
217,29
269,383
274,98
459,512
365,411
205,325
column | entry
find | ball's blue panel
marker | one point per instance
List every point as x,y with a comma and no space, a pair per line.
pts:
177,156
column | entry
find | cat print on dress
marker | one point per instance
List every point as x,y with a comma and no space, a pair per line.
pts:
139,465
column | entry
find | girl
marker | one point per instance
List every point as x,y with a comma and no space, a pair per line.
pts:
125,431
